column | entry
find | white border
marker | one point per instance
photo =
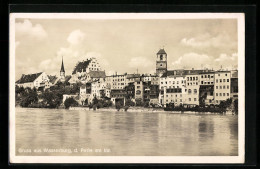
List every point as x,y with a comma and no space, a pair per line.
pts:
130,159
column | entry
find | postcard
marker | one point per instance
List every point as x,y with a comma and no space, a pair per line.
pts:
127,88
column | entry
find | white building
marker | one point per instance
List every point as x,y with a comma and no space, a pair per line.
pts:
172,87
192,89
33,80
116,81
82,71
222,86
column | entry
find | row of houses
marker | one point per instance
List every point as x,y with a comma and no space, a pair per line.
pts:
180,87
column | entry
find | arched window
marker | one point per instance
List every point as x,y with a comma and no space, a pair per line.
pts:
161,57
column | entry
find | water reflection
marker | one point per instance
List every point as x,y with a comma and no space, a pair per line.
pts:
126,133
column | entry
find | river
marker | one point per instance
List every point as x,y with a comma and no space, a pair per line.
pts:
42,132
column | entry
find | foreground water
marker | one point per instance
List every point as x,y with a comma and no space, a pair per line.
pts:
72,132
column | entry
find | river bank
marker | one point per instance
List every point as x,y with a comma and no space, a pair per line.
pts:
150,110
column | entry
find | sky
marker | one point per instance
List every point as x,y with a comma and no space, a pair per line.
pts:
124,45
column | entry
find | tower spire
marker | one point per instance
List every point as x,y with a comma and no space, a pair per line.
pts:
62,66
62,71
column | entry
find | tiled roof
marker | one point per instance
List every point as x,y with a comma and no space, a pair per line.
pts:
128,76
81,66
52,79
67,78
28,78
182,72
97,74
161,51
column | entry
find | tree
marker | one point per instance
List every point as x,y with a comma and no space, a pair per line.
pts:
128,102
236,106
29,98
70,102
118,106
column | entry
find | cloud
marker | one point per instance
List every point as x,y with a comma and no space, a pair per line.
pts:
138,62
198,61
28,29
227,61
191,60
74,53
76,37
207,40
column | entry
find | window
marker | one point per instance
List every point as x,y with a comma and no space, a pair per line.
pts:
180,100
138,87
193,78
195,91
201,76
188,78
223,94
224,87
220,94
216,101
166,95
201,82
177,82
196,77
189,99
224,80
205,76
216,94
216,87
227,86
176,95
211,76
225,74
189,91
161,65
161,82
216,80
218,74
195,99
220,80
227,80
208,76
227,94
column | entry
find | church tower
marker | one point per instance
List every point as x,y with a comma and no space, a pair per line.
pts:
62,71
161,62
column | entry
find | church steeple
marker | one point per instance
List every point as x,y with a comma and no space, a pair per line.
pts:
62,71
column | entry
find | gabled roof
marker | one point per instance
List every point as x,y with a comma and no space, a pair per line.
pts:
97,74
52,79
81,66
161,51
28,78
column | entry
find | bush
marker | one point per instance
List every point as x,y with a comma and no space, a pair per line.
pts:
128,102
70,102
126,108
118,106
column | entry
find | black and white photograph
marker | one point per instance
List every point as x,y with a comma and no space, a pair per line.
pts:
127,88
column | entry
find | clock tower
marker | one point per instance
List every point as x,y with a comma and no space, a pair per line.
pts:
161,62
